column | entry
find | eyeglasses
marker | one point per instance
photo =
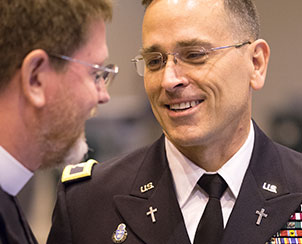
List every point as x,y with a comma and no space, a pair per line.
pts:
105,73
194,55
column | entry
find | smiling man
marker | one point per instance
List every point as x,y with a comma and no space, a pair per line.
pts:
53,76
214,176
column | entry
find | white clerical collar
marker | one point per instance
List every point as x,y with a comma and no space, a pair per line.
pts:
186,174
13,175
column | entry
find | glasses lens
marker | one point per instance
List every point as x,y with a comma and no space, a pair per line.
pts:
139,63
153,60
106,75
193,55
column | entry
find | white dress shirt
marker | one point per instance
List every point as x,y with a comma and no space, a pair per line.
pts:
192,199
13,175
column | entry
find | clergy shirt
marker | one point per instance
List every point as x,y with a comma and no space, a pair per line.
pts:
13,175
192,199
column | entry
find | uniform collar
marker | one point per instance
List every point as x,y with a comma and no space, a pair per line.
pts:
13,175
186,174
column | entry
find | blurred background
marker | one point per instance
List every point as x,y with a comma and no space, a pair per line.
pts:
126,122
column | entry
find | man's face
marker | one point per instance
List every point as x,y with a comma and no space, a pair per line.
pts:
71,101
197,105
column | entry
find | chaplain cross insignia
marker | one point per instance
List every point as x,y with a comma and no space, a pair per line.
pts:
151,212
261,215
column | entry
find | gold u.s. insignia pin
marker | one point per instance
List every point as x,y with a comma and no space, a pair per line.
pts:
147,187
120,234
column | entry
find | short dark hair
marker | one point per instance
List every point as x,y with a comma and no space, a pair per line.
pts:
242,13
58,26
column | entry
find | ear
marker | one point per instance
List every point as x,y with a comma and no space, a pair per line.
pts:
33,81
260,53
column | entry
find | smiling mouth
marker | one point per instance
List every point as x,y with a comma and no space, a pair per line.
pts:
184,106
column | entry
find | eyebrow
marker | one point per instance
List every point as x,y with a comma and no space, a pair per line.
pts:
153,48
194,42
185,43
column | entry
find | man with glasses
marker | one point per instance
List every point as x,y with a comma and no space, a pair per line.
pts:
213,177
53,75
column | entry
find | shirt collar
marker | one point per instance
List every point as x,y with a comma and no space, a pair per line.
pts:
13,175
186,174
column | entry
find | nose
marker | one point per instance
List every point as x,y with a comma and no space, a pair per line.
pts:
172,75
103,95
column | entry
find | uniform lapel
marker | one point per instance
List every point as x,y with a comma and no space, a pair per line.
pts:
264,187
153,188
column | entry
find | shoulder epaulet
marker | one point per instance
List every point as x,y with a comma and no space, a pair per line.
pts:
78,171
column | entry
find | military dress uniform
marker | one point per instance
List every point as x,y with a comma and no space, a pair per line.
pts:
14,228
132,199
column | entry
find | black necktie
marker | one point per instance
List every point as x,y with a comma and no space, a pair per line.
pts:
210,227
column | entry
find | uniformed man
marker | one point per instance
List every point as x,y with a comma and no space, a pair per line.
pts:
214,176
53,75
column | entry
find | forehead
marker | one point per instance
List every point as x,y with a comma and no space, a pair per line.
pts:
168,22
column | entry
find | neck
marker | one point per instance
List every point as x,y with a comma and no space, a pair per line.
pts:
212,156
16,137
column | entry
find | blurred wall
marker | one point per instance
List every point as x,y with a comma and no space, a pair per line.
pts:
281,28
126,122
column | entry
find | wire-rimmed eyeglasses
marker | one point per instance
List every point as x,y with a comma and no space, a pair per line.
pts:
105,73
194,55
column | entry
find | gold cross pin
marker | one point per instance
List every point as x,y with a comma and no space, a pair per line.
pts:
151,212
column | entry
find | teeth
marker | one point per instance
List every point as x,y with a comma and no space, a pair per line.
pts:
186,105
175,106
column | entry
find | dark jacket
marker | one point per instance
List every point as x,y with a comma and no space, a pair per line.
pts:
14,228
122,190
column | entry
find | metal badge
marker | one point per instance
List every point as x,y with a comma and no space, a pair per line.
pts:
146,187
120,234
269,187
261,215
151,213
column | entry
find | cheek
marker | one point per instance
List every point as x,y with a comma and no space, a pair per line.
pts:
151,88
232,82
82,86
84,94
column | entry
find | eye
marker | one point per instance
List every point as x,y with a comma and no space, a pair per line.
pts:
103,75
153,61
98,76
194,56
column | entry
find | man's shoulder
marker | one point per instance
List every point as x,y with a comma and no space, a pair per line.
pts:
291,159
116,172
283,152
288,152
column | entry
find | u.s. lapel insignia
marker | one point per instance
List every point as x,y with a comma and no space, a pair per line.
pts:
147,187
269,187
78,171
120,234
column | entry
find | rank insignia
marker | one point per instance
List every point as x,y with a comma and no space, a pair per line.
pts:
120,234
78,171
